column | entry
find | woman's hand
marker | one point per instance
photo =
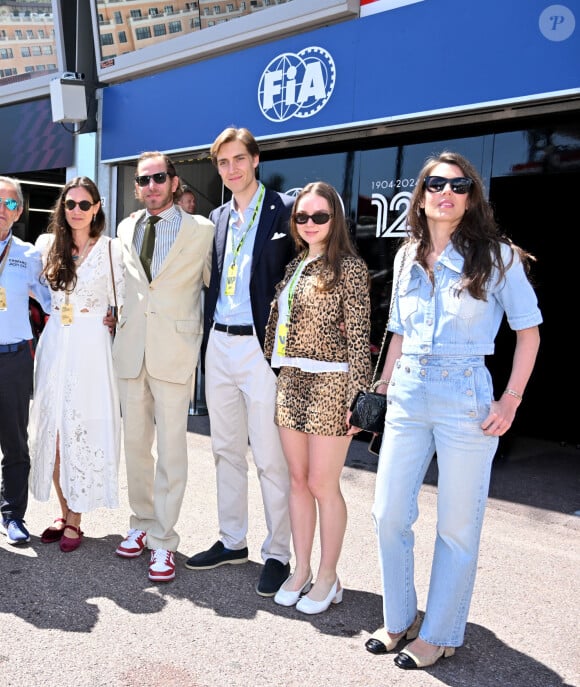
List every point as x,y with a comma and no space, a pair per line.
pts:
110,321
352,430
501,416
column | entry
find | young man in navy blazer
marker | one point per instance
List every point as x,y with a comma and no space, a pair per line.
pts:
252,246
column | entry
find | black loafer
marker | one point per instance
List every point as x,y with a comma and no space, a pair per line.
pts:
216,556
274,574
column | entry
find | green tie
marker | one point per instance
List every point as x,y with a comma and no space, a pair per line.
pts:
146,254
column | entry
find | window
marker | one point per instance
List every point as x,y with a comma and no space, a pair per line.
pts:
153,12
29,33
41,33
175,27
229,7
18,35
29,69
118,16
216,9
122,37
107,39
6,53
143,33
40,68
47,49
168,9
25,52
159,30
36,50
135,14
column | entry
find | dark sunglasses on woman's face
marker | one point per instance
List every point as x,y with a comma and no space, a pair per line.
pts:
84,205
458,185
317,217
158,178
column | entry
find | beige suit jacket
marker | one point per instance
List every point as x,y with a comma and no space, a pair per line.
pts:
161,322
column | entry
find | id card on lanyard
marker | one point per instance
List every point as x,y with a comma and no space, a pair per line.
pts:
282,334
232,273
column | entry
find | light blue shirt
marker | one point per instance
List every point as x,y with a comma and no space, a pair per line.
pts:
21,275
166,231
237,309
433,319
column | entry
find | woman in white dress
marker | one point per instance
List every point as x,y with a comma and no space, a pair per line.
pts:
75,415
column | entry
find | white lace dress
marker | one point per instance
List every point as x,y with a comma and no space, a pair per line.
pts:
75,389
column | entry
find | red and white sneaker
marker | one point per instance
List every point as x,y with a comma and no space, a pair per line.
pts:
133,545
161,565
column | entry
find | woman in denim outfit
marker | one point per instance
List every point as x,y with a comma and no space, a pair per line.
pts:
459,276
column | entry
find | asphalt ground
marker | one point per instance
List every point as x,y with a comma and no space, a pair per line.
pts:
91,619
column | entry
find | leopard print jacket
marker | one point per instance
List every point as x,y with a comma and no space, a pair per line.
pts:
314,331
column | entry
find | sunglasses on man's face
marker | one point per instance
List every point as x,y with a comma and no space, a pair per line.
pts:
158,178
459,185
84,205
317,217
10,203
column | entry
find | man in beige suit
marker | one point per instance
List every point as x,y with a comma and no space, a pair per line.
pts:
155,354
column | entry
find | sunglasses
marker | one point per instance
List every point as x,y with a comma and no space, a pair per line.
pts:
458,185
158,178
84,205
10,203
317,217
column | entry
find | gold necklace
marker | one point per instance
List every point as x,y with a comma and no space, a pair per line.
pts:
79,258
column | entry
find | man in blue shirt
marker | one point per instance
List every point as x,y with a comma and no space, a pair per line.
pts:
252,246
20,268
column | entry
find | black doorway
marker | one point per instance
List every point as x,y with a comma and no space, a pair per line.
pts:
537,213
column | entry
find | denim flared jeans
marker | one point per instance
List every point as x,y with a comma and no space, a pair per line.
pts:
436,404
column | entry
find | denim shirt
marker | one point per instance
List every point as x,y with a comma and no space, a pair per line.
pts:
436,320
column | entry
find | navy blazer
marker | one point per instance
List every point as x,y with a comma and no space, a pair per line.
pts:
273,250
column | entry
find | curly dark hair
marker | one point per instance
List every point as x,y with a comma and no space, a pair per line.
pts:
477,237
60,270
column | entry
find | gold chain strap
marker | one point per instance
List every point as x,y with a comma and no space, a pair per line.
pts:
385,335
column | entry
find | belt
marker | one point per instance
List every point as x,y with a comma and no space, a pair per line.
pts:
12,348
235,329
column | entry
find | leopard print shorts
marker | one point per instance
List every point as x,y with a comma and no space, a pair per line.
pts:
314,403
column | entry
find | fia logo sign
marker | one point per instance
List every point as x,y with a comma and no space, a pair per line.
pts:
296,84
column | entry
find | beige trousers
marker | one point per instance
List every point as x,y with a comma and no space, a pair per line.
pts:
155,480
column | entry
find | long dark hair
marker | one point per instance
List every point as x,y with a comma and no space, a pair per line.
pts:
477,236
60,271
338,242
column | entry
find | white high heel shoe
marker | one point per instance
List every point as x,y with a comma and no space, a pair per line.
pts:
289,598
307,605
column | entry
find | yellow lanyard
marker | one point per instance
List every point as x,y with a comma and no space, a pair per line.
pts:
293,282
238,248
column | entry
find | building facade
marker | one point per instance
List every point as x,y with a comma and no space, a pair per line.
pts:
358,94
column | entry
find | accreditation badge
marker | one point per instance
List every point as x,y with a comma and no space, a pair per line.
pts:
66,314
231,280
3,305
281,342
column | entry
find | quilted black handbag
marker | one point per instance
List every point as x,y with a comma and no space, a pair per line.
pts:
368,410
